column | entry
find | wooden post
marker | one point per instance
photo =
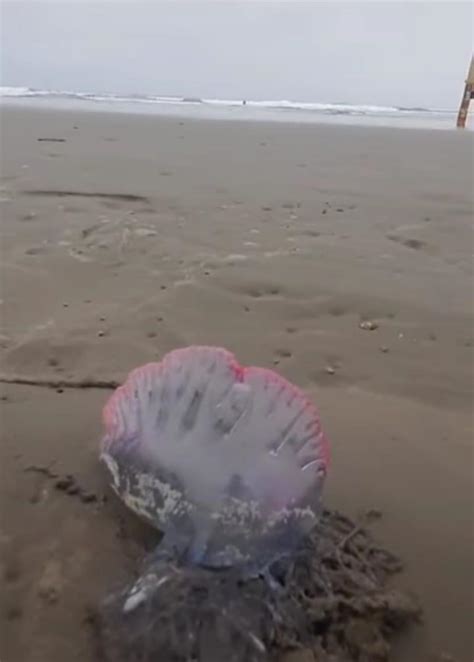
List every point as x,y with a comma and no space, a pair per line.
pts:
466,97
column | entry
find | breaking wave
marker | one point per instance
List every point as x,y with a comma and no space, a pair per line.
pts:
321,108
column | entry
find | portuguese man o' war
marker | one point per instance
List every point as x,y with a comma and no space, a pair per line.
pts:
227,461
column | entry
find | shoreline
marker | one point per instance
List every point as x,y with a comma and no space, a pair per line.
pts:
439,121
125,236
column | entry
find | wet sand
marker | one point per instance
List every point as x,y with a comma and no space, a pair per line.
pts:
134,235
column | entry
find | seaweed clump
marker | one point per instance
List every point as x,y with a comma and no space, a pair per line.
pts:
331,599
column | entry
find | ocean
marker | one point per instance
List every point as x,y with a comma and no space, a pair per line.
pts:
237,109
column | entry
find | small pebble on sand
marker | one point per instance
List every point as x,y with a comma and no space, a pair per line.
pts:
368,325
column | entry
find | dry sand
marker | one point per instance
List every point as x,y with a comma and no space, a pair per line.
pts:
139,234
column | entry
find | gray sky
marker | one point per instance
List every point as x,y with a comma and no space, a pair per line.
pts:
386,53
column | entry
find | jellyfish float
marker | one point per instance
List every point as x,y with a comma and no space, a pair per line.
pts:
228,462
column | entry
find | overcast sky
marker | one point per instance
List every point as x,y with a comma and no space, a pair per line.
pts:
386,53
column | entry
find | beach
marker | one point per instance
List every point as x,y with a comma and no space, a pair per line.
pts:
340,256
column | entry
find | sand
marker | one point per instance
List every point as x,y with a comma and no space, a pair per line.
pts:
134,235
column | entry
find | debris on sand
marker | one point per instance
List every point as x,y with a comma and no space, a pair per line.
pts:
67,484
368,325
51,140
330,598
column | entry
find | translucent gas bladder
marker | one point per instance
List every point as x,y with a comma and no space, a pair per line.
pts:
228,461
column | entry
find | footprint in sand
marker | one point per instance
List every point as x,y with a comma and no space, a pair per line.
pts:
283,353
416,244
36,250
